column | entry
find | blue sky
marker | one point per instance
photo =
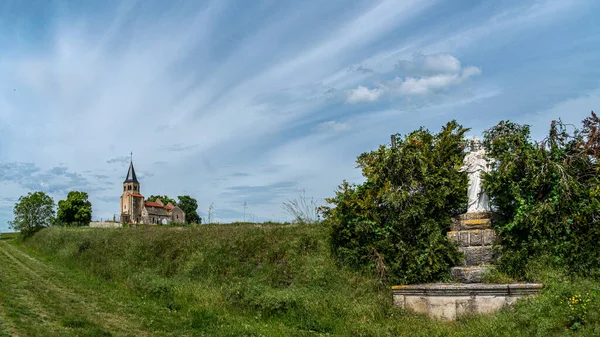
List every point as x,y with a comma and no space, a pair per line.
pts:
254,100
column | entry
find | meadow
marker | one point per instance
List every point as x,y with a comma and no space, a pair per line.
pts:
276,280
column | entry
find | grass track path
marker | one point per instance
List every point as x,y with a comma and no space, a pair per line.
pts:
38,299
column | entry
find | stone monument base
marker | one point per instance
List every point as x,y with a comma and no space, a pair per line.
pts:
449,301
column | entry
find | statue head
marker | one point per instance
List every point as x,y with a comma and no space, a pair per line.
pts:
475,144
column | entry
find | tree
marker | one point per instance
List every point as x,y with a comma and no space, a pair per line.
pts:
546,195
165,199
76,210
396,222
32,213
189,206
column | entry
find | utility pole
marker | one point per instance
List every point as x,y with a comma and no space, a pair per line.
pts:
245,210
393,137
210,210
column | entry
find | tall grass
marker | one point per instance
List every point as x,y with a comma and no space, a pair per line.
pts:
302,209
281,280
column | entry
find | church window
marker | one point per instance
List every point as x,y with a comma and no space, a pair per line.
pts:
129,187
124,188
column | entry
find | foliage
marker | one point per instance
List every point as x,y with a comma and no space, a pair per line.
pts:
189,206
165,199
245,280
76,210
32,213
591,129
578,309
546,195
302,210
396,222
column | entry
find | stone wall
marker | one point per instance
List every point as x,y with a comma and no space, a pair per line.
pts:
104,224
177,215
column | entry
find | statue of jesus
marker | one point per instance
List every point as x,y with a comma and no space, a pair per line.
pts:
474,163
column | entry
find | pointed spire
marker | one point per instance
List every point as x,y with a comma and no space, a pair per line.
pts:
131,178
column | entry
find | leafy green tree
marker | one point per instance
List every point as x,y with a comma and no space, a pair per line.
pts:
76,210
396,222
546,195
32,213
189,205
165,199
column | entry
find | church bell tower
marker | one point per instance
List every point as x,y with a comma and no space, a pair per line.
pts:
131,200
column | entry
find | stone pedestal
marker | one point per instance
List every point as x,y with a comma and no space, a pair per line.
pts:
476,239
449,301
473,234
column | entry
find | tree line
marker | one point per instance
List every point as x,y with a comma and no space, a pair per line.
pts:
37,210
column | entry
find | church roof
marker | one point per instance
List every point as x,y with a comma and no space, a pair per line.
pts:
153,204
131,178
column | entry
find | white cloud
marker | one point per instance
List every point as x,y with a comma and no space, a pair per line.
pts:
423,65
429,84
442,63
332,126
363,94
446,69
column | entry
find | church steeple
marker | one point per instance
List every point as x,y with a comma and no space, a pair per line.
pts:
131,178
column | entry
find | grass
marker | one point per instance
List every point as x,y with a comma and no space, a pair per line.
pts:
8,236
248,280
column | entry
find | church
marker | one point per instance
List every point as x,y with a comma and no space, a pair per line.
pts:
134,210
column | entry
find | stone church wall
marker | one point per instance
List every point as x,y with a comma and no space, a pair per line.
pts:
177,215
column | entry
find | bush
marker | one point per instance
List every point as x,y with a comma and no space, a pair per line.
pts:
396,222
546,195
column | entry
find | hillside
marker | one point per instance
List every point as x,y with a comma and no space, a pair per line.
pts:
228,280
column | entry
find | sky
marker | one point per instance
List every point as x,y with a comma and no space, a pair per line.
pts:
235,102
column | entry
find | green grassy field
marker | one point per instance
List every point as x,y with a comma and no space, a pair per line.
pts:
241,280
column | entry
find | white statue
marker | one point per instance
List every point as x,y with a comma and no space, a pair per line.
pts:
475,162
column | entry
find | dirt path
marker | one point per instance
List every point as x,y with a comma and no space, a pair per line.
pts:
40,299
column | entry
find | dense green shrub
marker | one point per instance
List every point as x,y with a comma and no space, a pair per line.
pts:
546,195
396,222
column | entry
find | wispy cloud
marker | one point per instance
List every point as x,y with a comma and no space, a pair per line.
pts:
119,160
434,73
332,126
217,99
364,94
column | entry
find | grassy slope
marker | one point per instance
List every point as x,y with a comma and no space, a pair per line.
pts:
41,299
274,281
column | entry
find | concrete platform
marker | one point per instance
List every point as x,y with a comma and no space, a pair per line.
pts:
448,301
